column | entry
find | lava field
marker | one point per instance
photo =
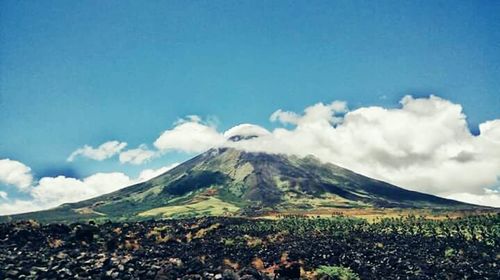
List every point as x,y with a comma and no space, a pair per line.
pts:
239,248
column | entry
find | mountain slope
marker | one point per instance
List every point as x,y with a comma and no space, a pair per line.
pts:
227,181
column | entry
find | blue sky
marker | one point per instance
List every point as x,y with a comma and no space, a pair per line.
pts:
86,72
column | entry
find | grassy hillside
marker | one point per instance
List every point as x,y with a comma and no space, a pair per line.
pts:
232,182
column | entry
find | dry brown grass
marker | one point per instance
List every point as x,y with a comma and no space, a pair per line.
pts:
258,264
159,235
55,243
132,245
202,232
252,241
231,264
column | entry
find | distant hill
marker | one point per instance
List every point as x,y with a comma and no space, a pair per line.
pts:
227,181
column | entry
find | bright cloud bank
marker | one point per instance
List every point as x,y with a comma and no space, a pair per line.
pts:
424,145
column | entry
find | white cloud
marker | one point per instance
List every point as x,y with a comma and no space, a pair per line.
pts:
4,195
189,118
487,199
246,130
284,117
19,206
104,151
15,173
190,136
490,130
151,173
137,156
318,112
425,145
54,191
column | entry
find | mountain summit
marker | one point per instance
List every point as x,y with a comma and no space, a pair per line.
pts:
228,181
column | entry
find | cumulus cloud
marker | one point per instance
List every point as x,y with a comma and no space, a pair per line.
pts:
424,145
190,135
137,156
246,130
15,173
318,112
490,130
487,199
53,191
285,117
147,174
19,206
104,151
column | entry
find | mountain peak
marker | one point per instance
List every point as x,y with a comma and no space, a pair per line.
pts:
245,132
228,181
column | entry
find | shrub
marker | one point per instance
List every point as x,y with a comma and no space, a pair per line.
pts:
449,252
336,272
229,242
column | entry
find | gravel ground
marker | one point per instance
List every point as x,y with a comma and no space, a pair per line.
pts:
233,248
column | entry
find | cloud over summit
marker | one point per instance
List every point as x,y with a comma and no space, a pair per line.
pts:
424,145
190,135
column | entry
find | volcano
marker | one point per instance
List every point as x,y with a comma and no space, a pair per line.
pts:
228,181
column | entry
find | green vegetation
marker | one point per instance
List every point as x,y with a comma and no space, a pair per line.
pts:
484,228
449,252
293,247
337,272
245,184
209,206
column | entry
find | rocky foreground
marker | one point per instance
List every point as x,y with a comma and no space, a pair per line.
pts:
233,248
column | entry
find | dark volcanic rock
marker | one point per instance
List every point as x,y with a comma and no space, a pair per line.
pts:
238,249
289,271
85,233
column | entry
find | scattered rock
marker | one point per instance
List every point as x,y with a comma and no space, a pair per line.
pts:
89,251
